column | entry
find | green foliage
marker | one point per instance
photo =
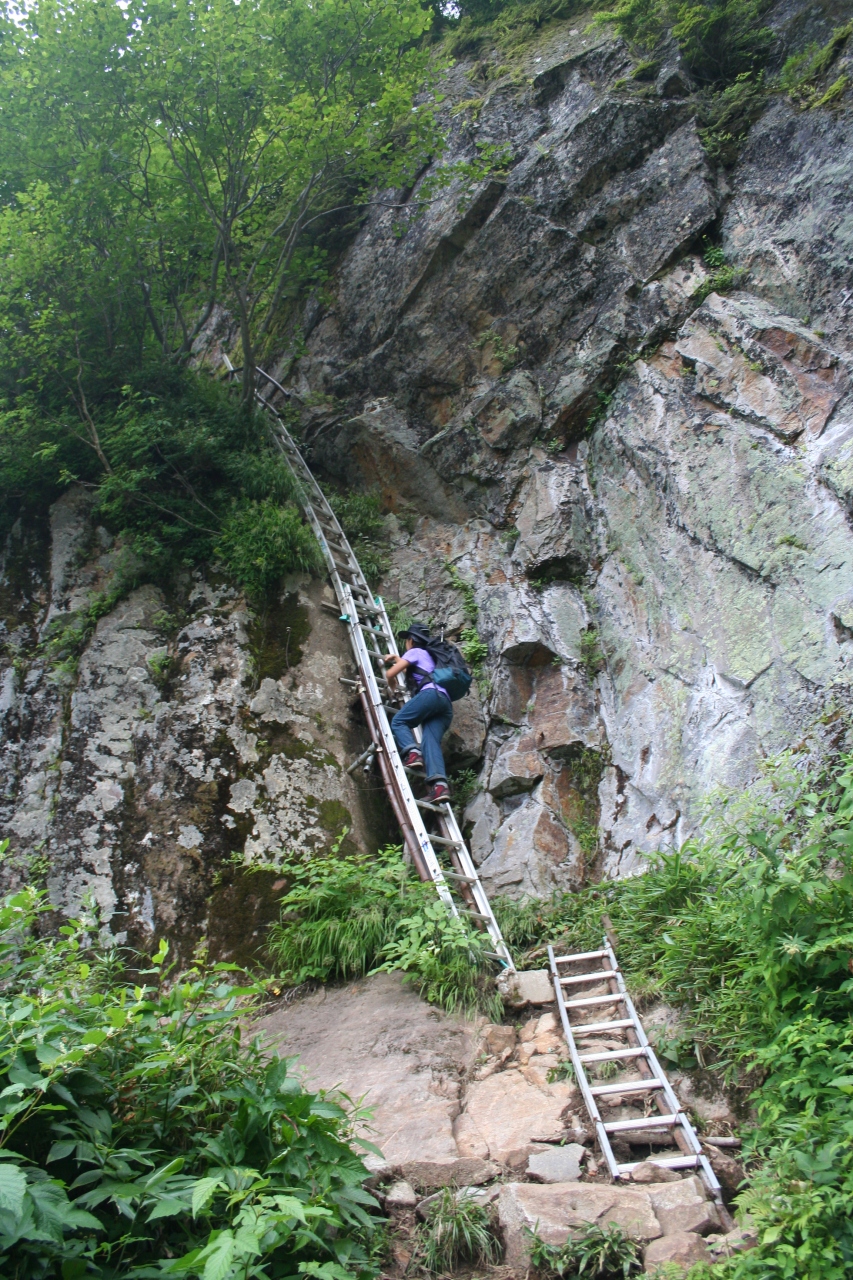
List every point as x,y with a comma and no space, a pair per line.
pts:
803,73
363,522
464,786
749,933
728,117
723,276
600,1253
348,915
469,595
163,158
338,915
457,1230
591,652
141,1135
496,348
719,39
261,541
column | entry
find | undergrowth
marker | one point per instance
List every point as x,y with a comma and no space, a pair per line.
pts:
457,1230
142,1135
594,1253
749,932
345,916
363,522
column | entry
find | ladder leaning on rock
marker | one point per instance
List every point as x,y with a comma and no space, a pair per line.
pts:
430,832
589,986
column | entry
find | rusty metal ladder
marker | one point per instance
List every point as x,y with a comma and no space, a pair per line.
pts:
431,834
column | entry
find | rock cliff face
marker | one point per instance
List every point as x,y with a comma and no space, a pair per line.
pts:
640,483
162,776
646,483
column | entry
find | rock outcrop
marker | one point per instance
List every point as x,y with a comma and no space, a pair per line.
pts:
158,775
645,483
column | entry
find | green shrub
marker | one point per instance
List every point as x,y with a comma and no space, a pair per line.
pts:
346,916
261,541
457,1230
803,72
363,522
141,1134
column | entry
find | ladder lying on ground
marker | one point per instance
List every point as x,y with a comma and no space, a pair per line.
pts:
430,831
636,1055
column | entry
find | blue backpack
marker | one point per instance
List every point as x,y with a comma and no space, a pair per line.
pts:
451,670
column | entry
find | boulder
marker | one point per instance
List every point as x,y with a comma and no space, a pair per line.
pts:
649,1171
684,1206
497,1039
681,1248
533,986
400,1195
557,1209
506,1115
556,1164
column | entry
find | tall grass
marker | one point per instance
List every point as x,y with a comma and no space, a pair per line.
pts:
346,916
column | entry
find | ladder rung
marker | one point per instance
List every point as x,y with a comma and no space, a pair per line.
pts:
631,1086
666,1162
478,915
454,875
588,977
589,1028
581,955
612,1055
425,804
614,998
443,840
494,955
649,1122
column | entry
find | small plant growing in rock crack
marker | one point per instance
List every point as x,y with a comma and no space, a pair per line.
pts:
457,1230
465,785
160,665
603,1253
504,352
592,655
723,275
563,1071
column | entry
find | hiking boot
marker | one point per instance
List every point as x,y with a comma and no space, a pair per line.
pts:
439,792
413,759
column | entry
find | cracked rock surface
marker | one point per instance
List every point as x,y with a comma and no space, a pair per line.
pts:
148,779
646,484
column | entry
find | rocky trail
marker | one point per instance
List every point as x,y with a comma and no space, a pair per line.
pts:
490,1110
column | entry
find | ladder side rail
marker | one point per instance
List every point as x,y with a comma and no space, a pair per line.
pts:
666,1097
465,864
401,782
580,1074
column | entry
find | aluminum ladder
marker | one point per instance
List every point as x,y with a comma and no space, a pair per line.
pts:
431,834
637,1052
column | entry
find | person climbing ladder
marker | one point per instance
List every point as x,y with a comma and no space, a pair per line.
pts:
430,706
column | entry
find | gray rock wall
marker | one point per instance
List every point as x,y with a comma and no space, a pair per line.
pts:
656,487
162,776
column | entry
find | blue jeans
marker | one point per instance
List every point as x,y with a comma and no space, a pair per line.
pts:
433,711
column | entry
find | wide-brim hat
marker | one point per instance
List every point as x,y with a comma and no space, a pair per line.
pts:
417,631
